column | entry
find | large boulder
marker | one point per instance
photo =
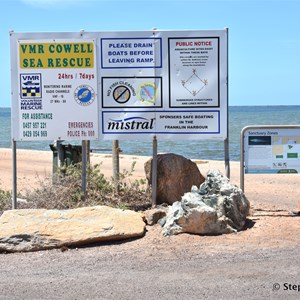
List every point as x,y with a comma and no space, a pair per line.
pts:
38,229
217,207
175,176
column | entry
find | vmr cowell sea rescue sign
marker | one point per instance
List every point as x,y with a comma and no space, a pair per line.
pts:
54,87
119,85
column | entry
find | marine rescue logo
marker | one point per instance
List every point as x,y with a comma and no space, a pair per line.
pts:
31,85
84,95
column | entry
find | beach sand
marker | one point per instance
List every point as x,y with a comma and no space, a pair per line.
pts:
34,166
248,262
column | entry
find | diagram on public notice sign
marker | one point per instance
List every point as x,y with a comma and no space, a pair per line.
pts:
194,84
194,72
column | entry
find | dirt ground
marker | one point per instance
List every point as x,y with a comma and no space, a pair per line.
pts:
260,262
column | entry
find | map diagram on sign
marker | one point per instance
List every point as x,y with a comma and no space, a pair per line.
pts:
194,84
286,147
271,152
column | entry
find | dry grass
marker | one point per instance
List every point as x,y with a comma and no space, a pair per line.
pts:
130,194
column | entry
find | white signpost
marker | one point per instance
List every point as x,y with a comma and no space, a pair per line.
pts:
120,85
164,85
54,90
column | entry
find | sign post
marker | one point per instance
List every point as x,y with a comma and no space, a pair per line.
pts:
154,171
14,175
54,88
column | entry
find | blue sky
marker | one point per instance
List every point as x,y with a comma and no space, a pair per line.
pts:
264,36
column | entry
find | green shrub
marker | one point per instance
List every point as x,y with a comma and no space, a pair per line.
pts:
5,200
100,191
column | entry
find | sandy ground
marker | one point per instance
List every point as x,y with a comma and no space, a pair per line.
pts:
34,166
261,262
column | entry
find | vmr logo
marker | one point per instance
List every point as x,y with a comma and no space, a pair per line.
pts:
31,86
132,123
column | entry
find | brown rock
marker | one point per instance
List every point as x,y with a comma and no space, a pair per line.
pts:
175,176
152,216
38,229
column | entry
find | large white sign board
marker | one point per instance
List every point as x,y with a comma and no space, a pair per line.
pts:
54,87
119,85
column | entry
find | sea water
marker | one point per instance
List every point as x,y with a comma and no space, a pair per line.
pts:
239,117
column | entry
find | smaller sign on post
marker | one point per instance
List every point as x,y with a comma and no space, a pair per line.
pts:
270,150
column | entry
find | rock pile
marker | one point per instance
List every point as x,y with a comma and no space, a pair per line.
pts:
217,207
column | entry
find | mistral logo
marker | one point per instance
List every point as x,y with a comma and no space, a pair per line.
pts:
131,124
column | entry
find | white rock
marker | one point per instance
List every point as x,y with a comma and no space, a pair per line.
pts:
37,229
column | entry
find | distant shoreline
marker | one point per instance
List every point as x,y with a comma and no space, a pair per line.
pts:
257,105
238,118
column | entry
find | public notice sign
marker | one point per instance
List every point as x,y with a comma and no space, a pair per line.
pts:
172,84
197,60
54,87
272,150
119,85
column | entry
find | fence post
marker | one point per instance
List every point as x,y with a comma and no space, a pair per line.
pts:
227,158
14,174
154,172
84,166
116,163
